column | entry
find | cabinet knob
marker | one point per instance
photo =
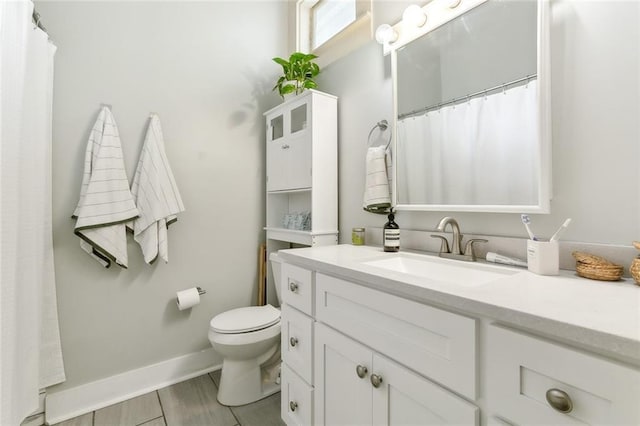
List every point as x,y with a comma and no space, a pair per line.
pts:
293,286
559,400
293,341
293,405
285,146
376,380
361,371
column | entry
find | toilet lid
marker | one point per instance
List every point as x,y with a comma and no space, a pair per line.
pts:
243,320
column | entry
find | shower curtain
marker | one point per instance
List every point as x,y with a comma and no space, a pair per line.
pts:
483,151
30,352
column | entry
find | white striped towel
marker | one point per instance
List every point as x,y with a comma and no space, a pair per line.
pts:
377,198
156,195
105,201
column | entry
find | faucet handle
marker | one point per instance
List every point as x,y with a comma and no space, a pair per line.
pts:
468,248
444,246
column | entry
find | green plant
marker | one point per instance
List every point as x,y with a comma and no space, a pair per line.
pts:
298,73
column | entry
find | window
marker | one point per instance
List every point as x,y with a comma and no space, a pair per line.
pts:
328,18
332,28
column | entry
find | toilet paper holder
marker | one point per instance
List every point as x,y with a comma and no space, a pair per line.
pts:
201,291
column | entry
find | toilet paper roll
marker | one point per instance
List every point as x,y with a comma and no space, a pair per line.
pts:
187,298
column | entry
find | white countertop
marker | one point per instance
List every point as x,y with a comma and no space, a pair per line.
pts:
600,316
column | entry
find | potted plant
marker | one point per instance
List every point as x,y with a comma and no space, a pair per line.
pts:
298,73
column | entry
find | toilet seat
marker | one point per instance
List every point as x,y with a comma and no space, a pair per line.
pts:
245,320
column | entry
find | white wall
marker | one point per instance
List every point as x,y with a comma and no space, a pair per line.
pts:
205,68
596,131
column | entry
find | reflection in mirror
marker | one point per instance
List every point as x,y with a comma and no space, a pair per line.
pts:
468,114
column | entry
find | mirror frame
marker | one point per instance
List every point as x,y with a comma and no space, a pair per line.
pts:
444,14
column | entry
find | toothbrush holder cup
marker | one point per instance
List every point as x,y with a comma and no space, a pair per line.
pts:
543,257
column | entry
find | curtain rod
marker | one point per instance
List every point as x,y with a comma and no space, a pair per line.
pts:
465,98
36,20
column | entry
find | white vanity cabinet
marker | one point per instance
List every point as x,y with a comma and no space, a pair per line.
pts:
390,351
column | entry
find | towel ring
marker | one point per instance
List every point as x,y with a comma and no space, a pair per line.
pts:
382,126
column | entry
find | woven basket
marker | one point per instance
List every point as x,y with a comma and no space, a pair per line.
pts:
596,267
634,269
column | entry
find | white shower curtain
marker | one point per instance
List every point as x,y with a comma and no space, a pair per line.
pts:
479,152
30,352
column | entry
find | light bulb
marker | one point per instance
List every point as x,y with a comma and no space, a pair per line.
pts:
414,16
386,34
453,3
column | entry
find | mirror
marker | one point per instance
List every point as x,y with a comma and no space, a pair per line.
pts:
471,112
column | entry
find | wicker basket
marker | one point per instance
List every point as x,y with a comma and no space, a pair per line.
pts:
596,267
634,269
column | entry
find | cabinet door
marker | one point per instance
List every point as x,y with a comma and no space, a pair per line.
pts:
276,156
406,398
289,147
342,397
299,144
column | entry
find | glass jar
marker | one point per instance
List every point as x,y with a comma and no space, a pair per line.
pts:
357,236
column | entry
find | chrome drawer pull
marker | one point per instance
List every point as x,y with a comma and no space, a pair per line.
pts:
361,371
293,287
376,380
293,405
559,400
293,341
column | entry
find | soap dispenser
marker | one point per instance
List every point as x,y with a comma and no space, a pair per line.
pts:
391,234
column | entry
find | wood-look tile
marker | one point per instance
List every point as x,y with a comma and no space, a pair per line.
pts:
155,422
84,420
131,412
215,375
265,412
193,403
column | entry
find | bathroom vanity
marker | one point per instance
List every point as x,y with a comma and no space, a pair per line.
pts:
404,338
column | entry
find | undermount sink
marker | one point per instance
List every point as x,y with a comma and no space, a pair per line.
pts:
443,270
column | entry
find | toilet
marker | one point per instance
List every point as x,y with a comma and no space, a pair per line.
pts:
249,341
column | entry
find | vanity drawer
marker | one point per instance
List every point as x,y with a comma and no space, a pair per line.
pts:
521,370
297,342
297,288
296,406
435,343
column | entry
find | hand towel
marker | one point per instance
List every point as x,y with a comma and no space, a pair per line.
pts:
377,198
106,203
157,197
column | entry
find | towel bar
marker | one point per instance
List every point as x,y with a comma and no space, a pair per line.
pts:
382,125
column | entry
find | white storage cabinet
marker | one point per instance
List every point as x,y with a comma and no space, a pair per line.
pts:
302,173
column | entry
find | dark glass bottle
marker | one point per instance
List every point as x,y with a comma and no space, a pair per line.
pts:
391,235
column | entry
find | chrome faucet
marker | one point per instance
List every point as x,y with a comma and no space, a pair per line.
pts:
456,242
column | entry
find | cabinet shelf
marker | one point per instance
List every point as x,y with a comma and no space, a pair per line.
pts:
289,191
308,238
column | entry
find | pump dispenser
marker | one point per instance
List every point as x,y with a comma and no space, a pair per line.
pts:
391,234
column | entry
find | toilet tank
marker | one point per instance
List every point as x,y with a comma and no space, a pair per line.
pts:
276,263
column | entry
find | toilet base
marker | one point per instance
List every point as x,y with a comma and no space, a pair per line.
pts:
246,381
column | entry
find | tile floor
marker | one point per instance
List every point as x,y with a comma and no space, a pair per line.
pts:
189,403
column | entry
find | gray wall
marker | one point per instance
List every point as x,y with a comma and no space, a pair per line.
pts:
205,68
596,131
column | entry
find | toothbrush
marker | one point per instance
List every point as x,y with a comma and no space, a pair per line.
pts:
527,220
560,230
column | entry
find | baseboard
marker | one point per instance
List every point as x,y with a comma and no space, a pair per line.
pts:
69,403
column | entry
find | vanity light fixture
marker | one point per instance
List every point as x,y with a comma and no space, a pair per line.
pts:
415,16
385,34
